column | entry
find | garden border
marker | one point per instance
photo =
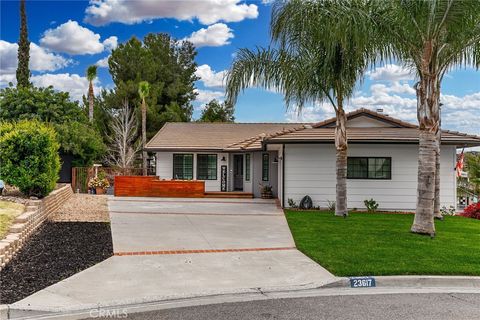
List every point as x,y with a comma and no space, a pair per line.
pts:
36,212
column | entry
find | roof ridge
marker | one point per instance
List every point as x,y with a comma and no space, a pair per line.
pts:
370,112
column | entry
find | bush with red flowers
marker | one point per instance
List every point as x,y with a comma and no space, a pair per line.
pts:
472,211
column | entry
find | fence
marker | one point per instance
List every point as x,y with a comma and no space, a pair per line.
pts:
81,175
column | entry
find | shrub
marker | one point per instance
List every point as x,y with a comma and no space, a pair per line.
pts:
29,156
472,211
371,205
292,203
331,205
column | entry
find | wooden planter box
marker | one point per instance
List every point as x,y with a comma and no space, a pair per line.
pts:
148,186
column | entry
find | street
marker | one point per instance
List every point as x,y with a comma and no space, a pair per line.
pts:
437,306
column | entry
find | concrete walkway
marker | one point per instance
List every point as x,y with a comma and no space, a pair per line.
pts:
179,248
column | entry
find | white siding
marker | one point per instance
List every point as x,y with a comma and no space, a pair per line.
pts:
310,170
165,167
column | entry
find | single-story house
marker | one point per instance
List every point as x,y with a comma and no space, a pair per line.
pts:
298,159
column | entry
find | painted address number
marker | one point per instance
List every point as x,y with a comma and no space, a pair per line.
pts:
363,282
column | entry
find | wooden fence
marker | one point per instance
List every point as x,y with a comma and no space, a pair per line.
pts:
81,175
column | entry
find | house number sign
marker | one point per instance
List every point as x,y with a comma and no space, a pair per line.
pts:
223,175
362,282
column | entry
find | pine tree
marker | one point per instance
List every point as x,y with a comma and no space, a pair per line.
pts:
23,72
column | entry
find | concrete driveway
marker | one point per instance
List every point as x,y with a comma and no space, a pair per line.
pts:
179,248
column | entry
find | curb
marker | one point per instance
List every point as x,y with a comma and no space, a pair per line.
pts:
413,282
341,286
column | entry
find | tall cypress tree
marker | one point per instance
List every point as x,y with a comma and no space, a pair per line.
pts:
23,72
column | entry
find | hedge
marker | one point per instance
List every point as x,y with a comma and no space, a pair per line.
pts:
29,156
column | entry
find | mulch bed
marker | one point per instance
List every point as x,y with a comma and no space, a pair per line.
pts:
56,251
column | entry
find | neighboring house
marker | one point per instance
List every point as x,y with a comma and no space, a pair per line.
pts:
299,159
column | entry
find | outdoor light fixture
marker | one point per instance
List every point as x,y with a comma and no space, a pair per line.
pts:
223,159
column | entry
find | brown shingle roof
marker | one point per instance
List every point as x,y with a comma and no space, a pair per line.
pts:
387,135
215,136
369,113
252,136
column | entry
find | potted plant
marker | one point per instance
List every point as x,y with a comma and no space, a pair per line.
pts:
266,191
99,184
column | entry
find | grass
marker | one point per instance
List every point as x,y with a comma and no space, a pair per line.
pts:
8,212
381,244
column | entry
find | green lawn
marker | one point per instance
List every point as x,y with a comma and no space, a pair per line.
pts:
8,212
381,244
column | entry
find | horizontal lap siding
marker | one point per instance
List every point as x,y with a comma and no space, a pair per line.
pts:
310,170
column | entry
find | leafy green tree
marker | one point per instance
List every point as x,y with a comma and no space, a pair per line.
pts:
169,67
320,49
143,92
23,71
47,105
433,37
217,112
91,75
472,161
29,156
82,141
43,104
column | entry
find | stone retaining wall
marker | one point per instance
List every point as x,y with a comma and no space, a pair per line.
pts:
36,212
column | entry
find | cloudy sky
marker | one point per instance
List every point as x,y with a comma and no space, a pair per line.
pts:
67,36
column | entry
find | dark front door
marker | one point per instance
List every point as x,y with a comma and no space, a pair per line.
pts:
238,172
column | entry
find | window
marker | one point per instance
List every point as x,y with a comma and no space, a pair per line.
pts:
183,166
247,167
369,168
265,167
207,167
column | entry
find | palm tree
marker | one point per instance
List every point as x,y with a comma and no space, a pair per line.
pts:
91,75
320,49
143,92
432,37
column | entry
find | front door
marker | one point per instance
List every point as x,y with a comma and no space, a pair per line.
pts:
238,172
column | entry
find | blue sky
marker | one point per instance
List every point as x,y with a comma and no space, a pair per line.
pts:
67,36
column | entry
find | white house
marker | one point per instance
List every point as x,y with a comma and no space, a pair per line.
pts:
299,159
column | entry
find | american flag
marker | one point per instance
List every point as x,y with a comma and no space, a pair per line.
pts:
459,166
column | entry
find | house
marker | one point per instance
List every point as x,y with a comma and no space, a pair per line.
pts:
299,159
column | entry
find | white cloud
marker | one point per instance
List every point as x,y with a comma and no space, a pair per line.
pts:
72,38
391,72
103,63
72,83
205,96
315,113
215,35
40,60
209,77
102,12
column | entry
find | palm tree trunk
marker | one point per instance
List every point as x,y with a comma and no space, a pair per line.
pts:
341,162
427,112
90,101
436,206
144,136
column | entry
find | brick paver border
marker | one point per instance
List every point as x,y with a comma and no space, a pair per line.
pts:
165,252
202,214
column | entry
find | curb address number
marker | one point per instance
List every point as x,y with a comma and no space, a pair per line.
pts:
362,282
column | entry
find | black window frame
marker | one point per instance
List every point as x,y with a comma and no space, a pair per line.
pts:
174,175
265,167
247,166
368,172
209,170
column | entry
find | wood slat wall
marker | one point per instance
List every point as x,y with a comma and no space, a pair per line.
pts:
144,186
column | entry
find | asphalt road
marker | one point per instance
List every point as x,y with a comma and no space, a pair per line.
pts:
385,307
